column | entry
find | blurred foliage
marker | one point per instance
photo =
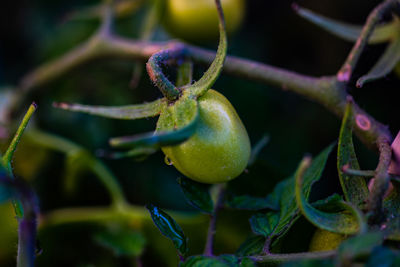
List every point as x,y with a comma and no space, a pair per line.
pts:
32,32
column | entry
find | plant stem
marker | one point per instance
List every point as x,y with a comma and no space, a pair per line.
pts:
324,90
26,242
282,258
60,144
154,69
374,17
7,158
220,191
135,215
381,183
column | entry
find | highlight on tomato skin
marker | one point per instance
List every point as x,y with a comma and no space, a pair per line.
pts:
220,148
197,20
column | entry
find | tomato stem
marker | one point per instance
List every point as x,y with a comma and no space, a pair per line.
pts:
219,197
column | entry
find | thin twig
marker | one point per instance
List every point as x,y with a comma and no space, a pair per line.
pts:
208,249
374,17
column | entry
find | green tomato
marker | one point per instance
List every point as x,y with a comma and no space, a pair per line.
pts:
219,150
197,20
323,240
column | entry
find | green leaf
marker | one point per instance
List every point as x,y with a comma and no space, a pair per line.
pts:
340,222
247,202
285,192
354,188
385,64
76,163
123,242
359,246
264,224
253,245
184,111
310,263
138,153
130,112
169,228
382,33
383,256
197,194
121,8
211,75
247,262
211,261
391,205
6,159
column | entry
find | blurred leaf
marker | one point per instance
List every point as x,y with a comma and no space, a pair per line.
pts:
386,63
210,76
151,21
121,8
256,149
169,228
221,261
354,188
247,262
310,263
382,256
130,112
186,109
123,242
253,245
264,224
285,192
339,222
7,191
359,246
391,205
76,162
382,33
247,202
197,194
232,260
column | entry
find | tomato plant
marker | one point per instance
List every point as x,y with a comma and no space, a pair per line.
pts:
244,206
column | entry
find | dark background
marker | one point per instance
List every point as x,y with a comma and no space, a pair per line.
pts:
32,32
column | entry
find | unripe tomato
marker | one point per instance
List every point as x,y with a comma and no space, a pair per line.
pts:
219,150
323,240
197,20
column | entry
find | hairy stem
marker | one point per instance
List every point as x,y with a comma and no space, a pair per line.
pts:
381,182
374,17
208,249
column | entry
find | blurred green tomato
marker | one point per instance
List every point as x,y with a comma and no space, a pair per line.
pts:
323,240
8,231
197,20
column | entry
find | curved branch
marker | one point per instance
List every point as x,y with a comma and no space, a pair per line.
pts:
326,91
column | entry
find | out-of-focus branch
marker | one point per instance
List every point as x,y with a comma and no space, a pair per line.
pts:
327,91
